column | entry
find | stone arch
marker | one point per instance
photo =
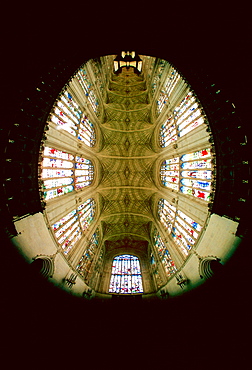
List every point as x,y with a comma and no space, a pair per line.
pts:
43,265
209,266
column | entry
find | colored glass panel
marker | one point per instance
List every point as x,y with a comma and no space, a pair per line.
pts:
126,275
62,173
69,228
85,263
164,254
166,213
87,88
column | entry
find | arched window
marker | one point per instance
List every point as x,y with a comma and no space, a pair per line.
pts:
69,229
126,275
191,174
62,172
69,117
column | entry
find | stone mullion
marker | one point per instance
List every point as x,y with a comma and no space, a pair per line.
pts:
78,120
176,255
159,265
86,239
96,89
94,262
147,62
158,116
201,212
83,100
178,94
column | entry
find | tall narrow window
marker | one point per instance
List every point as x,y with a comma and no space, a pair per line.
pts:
70,228
170,173
166,213
158,74
87,132
168,132
196,174
126,275
185,232
170,83
69,117
84,265
191,174
164,254
62,173
87,88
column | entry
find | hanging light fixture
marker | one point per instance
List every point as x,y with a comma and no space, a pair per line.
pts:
128,59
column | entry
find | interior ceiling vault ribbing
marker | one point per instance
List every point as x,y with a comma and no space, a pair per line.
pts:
127,158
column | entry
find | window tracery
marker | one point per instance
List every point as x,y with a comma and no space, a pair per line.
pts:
69,229
170,83
86,86
63,172
85,263
68,116
164,254
190,174
126,275
183,229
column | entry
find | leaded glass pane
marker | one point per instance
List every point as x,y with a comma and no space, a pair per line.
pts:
87,88
126,275
68,229
62,173
164,254
195,177
85,263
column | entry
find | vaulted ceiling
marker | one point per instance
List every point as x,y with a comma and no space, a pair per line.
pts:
127,160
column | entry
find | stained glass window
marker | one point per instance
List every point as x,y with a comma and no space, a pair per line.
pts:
87,88
166,213
85,263
164,254
170,173
168,132
69,228
126,275
68,116
186,116
196,180
185,232
191,174
62,173
157,76
170,83
87,132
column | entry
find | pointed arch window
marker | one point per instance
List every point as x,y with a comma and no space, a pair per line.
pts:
69,229
126,277
63,173
190,174
67,115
